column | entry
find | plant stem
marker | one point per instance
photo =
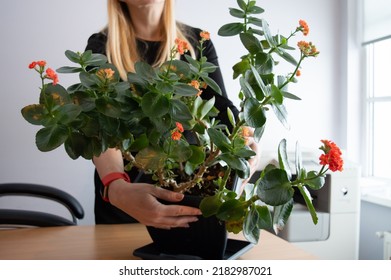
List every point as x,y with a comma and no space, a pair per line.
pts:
294,72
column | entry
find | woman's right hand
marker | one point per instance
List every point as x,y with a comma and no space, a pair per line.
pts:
139,200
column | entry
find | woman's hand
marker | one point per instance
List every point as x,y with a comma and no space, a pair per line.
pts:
139,200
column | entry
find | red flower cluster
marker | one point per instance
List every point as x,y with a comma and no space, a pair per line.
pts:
40,63
332,156
50,73
176,134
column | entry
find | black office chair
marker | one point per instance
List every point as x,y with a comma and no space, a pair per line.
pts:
34,218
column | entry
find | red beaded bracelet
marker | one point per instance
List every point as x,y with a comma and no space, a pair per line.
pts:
106,180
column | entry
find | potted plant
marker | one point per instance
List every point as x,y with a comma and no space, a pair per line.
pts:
163,127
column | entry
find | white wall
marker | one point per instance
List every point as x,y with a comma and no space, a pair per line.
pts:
44,29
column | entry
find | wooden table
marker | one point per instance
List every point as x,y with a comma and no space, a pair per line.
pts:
113,242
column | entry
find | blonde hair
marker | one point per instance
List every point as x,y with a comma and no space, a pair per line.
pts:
121,47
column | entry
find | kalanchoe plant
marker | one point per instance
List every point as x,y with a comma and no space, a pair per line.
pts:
163,127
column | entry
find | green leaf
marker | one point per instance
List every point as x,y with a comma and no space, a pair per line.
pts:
276,94
265,218
68,113
258,133
177,150
210,205
179,67
256,219
139,143
208,67
185,90
155,105
108,125
90,127
34,114
72,56
281,215
308,201
231,210
283,158
251,43
240,68
247,89
151,158
205,107
219,139
242,4
179,111
254,113
96,59
145,71
231,117
236,13
50,138
134,78
290,95
197,156
230,29
275,188
287,57
314,181
255,10
258,79
236,163
268,35
254,20
298,161
108,107
210,82
88,80
244,152
161,125
54,95
76,145
69,69
281,114
250,226
82,99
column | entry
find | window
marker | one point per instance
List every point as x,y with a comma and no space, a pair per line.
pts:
378,104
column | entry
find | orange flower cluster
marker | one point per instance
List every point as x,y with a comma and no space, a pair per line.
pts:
205,35
176,134
105,74
182,46
304,27
196,84
50,73
332,156
307,48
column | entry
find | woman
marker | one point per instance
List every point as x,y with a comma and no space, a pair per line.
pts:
144,30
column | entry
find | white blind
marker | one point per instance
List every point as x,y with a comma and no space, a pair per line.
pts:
376,19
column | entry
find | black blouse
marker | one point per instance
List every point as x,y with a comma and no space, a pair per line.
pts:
105,213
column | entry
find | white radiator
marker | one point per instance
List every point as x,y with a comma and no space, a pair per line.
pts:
386,235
